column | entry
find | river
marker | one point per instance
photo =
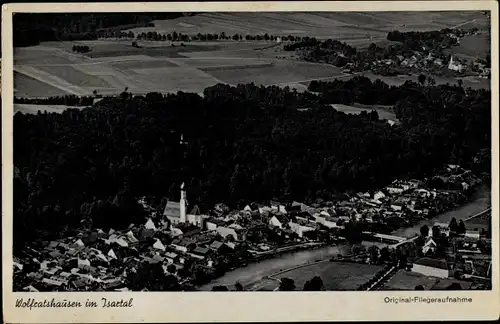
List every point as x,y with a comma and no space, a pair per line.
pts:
256,271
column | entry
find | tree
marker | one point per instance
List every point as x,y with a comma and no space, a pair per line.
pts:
385,254
238,286
419,287
171,268
421,79
315,284
287,284
460,83
454,286
461,227
424,231
219,288
453,225
436,233
374,252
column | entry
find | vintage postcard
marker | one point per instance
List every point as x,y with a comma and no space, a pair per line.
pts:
250,161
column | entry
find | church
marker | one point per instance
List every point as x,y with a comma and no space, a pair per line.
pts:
176,213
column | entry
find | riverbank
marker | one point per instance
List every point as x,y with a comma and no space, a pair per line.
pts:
255,272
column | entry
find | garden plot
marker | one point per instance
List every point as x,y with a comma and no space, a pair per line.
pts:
335,275
406,280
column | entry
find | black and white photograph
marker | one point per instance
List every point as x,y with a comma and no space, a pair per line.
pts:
252,151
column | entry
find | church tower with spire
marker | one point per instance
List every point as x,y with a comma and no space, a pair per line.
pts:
182,205
183,200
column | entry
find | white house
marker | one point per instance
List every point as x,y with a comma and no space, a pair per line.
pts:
429,246
274,221
475,235
225,231
150,225
300,229
454,66
378,195
431,267
159,245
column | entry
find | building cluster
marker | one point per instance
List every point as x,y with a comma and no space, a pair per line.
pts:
176,239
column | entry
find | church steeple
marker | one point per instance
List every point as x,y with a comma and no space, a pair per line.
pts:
183,200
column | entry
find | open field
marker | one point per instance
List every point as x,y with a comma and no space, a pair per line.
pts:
335,275
52,69
406,280
25,86
318,24
472,46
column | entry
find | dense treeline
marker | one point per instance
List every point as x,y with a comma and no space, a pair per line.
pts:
177,36
435,40
81,48
32,28
244,142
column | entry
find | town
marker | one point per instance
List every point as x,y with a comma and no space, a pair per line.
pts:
180,248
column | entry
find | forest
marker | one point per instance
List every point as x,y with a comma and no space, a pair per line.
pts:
245,143
30,28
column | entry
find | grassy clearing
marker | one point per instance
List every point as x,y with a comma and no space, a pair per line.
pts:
335,275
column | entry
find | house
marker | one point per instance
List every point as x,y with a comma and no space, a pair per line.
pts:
171,257
112,255
430,246
431,267
300,229
225,231
443,227
159,245
131,238
150,225
277,221
200,252
455,66
78,244
180,245
83,263
216,245
474,235
195,217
